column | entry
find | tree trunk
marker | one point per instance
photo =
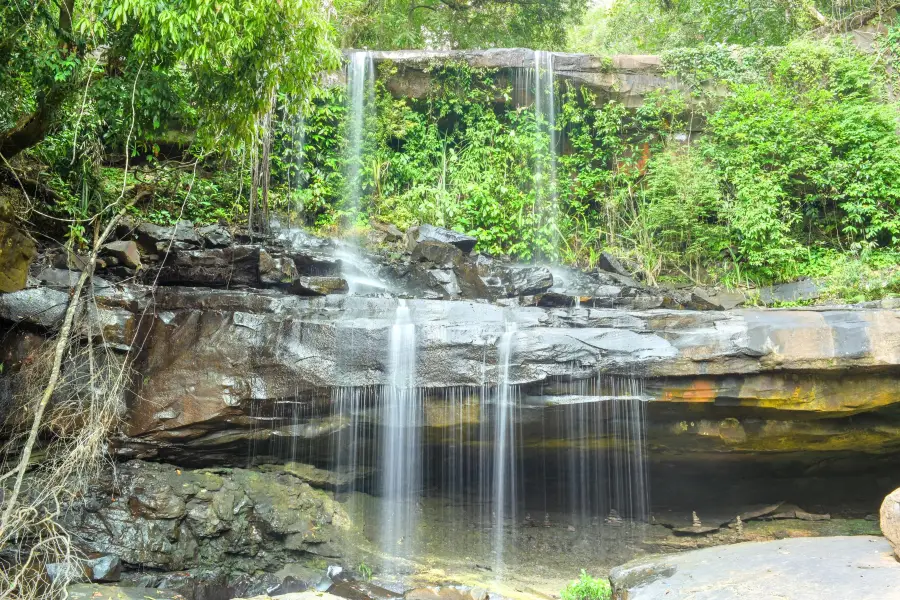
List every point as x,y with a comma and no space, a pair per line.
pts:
32,128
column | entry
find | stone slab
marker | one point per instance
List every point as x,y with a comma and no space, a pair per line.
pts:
858,567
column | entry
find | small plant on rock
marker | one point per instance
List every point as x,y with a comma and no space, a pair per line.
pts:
587,588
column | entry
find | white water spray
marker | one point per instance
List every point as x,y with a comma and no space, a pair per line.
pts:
504,445
401,458
361,95
545,181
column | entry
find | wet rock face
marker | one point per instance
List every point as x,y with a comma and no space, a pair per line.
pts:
170,519
625,79
430,233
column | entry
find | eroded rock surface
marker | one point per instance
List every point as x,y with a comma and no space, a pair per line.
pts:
170,519
793,569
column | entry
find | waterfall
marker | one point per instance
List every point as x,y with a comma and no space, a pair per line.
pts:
504,483
295,170
545,182
401,458
361,98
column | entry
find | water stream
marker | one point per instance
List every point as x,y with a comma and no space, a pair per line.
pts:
504,485
465,470
361,97
547,144
401,454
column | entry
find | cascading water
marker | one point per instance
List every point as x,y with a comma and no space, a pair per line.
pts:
295,155
401,451
545,182
504,484
361,96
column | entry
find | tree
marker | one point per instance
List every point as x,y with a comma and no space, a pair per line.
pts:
656,25
234,55
445,24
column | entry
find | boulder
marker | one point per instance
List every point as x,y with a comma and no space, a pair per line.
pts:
387,232
361,590
609,262
171,519
439,254
524,281
63,279
68,260
105,569
215,267
798,291
17,250
125,252
890,520
93,591
430,233
794,569
157,238
216,236
318,286
42,306
705,299
276,270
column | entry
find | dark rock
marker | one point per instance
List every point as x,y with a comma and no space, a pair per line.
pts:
388,232
430,233
798,291
276,270
64,571
439,254
93,591
556,300
216,236
164,248
318,286
610,263
125,252
705,299
209,583
171,519
798,568
62,279
218,267
522,281
39,306
17,250
361,590
156,238
68,260
105,569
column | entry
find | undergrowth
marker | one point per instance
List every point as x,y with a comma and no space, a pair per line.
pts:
798,167
587,588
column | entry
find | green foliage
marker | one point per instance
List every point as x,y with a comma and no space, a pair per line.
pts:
587,588
650,26
392,24
678,225
236,53
811,154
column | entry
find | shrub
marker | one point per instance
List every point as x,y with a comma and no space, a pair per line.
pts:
587,588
